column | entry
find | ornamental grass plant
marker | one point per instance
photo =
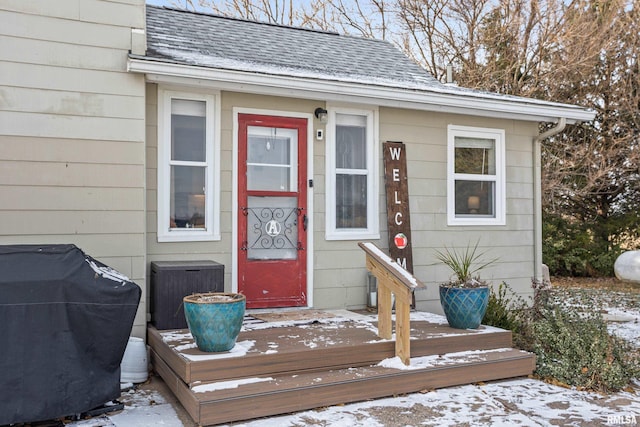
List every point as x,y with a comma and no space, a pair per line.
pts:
465,265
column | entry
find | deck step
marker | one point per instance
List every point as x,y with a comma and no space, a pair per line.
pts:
278,368
260,396
313,347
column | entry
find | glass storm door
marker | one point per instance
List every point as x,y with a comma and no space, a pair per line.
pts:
272,210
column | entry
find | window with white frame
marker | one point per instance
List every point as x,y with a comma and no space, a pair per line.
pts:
352,191
188,179
475,176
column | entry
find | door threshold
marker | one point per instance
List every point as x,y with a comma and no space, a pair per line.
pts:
276,309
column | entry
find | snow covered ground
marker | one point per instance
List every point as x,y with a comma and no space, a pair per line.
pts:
143,408
518,402
524,402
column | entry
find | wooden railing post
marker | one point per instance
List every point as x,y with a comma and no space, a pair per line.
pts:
385,328
392,279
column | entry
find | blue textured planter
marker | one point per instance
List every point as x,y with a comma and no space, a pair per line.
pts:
214,319
464,307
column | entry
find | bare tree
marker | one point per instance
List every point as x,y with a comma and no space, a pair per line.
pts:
283,12
366,18
576,51
592,171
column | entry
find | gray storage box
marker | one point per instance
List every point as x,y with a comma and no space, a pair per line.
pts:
173,280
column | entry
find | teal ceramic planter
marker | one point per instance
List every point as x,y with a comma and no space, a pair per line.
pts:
214,319
464,307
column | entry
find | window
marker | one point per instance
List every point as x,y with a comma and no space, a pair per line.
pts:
352,191
188,184
475,176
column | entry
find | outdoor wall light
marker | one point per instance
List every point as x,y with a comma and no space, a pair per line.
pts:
321,114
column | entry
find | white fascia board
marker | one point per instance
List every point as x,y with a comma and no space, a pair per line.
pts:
442,100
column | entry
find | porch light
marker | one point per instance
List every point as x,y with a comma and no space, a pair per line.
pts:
321,114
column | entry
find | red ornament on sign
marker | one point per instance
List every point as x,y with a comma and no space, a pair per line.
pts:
401,241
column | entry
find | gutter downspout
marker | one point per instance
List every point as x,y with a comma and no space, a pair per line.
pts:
537,194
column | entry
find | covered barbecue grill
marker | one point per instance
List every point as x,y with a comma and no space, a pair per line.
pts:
65,320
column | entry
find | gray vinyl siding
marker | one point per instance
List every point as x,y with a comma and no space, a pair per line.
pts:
72,124
339,274
218,250
339,271
425,135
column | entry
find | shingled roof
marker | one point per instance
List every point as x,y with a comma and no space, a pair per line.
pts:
213,41
274,59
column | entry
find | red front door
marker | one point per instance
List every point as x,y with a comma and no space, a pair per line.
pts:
272,210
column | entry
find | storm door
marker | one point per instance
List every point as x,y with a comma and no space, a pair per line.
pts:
272,210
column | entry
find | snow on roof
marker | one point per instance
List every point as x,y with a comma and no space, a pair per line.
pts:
207,41
214,41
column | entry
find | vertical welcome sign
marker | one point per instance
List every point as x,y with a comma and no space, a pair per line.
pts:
397,191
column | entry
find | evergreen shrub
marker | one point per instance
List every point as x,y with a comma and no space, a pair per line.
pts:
572,346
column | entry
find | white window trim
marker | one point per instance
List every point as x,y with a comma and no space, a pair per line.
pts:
498,135
212,157
373,229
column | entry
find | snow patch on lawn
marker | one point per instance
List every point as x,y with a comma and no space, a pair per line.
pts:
629,329
522,402
143,408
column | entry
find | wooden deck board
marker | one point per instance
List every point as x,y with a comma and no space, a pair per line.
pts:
188,400
313,346
259,385
290,393
170,355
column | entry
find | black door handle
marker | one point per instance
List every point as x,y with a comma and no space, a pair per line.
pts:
304,222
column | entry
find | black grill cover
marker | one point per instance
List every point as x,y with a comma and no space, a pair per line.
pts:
65,321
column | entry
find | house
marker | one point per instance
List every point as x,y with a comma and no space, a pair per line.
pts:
147,134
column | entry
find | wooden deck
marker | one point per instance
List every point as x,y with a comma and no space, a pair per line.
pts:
279,368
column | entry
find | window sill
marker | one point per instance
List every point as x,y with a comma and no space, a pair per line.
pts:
188,237
475,221
352,235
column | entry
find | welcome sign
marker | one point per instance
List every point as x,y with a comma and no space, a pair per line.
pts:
397,191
